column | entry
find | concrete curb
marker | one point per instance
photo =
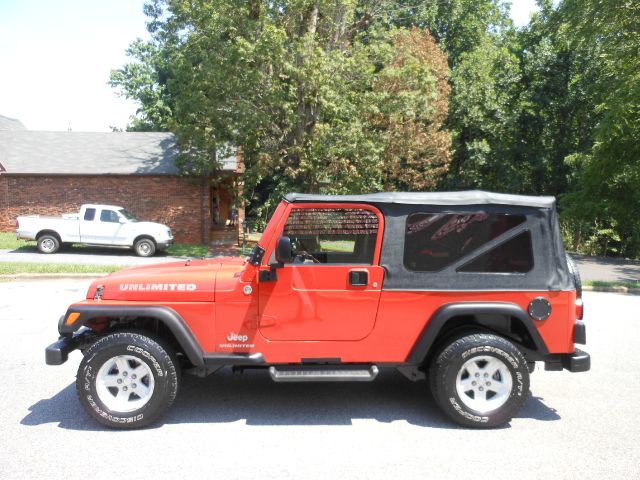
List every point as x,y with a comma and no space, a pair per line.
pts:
627,290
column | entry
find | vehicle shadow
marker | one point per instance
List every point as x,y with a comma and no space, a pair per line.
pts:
251,396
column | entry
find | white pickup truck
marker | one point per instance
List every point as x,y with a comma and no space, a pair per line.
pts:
105,225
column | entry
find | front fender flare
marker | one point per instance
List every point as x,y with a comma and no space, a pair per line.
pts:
167,316
445,313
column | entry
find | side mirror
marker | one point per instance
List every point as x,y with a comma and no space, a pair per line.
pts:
122,220
283,250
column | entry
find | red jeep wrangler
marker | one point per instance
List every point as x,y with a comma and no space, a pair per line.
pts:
469,289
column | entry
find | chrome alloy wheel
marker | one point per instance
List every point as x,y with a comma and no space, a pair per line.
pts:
124,383
144,248
484,383
48,245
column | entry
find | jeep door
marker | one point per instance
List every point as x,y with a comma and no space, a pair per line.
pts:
330,289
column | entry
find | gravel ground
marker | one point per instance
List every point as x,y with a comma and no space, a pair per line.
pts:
244,426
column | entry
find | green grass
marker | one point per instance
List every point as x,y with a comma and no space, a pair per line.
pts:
601,283
184,250
12,268
337,246
8,241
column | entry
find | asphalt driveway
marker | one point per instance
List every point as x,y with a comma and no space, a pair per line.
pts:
573,426
607,269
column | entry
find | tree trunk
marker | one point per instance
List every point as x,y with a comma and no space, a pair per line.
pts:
203,182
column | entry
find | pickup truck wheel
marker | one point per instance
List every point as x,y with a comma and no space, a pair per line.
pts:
480,380
127,380
145,247
48,243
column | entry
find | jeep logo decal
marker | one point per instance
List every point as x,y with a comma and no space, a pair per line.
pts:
234,337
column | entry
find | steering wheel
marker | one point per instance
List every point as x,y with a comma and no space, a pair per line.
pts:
306,256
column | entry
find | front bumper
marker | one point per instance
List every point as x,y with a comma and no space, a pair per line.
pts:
165,244
58,352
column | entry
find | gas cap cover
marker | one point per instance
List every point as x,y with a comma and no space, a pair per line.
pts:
539,308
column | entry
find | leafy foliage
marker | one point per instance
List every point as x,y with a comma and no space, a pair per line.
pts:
341,96
323,96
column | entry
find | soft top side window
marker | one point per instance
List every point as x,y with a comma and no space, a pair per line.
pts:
434,241
513,256
332,235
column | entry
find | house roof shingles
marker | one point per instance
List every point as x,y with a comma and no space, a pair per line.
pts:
91,153
7,123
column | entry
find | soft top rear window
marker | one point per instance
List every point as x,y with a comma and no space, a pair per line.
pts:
434,241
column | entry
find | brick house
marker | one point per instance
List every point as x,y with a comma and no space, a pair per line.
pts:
50,173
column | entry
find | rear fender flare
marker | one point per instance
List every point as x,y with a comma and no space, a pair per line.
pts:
445,313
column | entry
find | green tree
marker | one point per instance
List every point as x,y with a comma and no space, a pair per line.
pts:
323,96
603,208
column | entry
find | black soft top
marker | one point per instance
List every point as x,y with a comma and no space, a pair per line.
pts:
470,197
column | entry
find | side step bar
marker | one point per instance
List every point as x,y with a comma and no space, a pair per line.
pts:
363,373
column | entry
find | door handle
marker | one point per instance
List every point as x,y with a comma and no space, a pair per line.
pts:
358,278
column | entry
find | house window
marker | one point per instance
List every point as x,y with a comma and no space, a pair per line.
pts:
332,235
434,241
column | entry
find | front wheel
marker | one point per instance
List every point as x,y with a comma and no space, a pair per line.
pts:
145,247
480,380
127,380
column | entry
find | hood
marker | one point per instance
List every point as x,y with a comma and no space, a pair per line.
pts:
149,226
184,281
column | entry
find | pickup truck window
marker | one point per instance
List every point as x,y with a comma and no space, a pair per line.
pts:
89,214
128,215
109,216
332,235
434,241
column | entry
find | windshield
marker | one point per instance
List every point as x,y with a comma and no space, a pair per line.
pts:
128,215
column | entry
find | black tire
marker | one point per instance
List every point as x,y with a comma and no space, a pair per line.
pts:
100,368
48,243
145,247
575,275
505,389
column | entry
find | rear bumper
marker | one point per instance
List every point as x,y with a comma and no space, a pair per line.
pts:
575,362
578,361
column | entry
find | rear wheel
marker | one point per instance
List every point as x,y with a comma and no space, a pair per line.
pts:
480,380
127,380
48,243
